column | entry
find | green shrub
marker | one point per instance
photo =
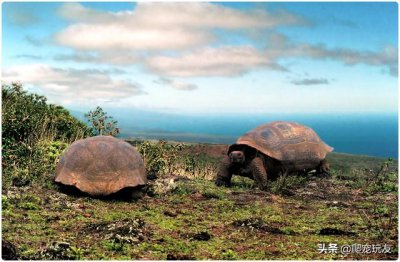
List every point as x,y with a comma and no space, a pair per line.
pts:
48,153
190,164
380,219
28,206
32,198
229,255
383,180
5,202
27,119
57,251
30,202
113,245
170,158
200,166
40,163
34,133
371,181
160,158
101,123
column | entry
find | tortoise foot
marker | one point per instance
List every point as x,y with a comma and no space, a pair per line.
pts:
221,182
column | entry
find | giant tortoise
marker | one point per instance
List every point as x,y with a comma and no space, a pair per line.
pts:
100,166
272,149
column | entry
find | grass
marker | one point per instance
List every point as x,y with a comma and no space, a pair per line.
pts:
346,162
197,220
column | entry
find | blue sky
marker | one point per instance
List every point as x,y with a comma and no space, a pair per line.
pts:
200,57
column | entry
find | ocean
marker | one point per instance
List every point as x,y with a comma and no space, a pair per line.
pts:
365,134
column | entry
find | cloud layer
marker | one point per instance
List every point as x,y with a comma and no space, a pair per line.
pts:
224,61
176,84
238,60
387,57
72,85
182,41
178,25
113,58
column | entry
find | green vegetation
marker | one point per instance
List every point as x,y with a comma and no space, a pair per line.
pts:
284,183
164,159
102,124
160,157
197,220
382,178
34,134
229,255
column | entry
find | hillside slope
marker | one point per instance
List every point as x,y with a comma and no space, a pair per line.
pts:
194,219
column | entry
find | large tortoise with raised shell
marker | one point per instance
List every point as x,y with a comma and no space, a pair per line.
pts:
272,149
101,166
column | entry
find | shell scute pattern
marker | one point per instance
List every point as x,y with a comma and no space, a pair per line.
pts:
101,165
77,159
289,142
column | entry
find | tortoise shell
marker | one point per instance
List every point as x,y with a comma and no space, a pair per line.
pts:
100,166
288,142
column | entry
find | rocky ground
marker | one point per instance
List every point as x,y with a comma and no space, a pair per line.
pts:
300,218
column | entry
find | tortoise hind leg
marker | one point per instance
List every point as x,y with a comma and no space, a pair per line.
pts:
259,173
224,173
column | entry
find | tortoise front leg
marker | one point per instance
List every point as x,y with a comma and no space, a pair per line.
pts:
224,173
259,173
323,168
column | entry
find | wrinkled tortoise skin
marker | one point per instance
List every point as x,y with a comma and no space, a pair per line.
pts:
101,166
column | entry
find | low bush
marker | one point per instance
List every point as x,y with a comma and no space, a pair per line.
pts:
169,158
101,124
34,134
160,157
371,181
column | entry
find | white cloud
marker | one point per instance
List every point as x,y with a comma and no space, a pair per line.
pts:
280,47
72,85
115,36
206,15
224,61
177,25
176,84
386,57
148,34
238,60
77,12
114,58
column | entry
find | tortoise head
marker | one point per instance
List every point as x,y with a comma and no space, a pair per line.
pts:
237,157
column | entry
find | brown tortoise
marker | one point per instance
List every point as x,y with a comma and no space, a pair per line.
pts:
100,166
272,149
